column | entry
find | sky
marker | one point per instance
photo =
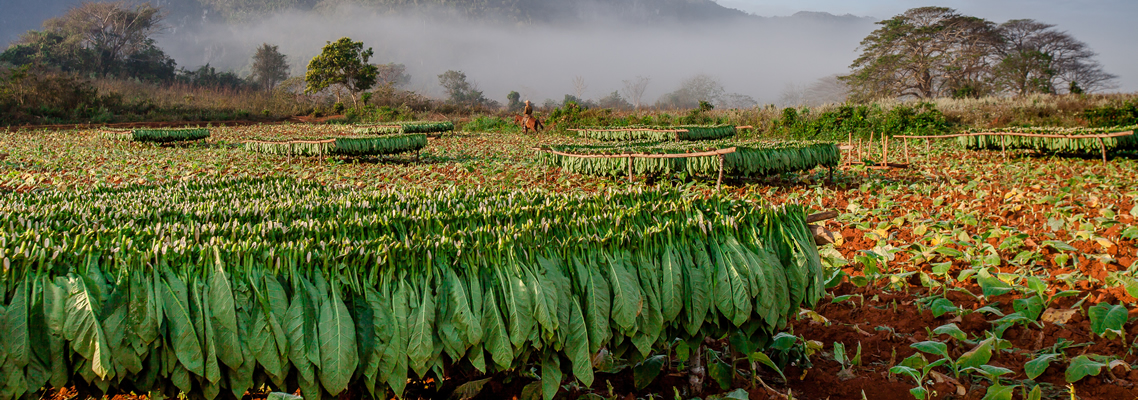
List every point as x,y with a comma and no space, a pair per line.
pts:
759,60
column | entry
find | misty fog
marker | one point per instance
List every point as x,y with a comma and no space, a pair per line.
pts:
755,56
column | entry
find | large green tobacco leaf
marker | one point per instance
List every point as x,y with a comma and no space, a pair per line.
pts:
82,329
15,328
584,275
672,284
577,346
598,304
180,328
223,317
338,357
1107,320
1081,367
497,340
420,342
626,296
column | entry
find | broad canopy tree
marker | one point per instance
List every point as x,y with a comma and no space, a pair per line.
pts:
342,65
926,52
1037,58
932,52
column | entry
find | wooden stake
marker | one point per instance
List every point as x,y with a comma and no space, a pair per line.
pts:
719,182
927,150
869,144
1003,148
885,150
629,169
1102,145
907,159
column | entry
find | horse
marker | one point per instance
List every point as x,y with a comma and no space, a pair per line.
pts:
533,123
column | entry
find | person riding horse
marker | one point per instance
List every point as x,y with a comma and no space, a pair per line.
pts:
527,113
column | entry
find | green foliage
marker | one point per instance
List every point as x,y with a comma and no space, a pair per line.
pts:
208,77
751,158
30,96
405,127
1107,320
861,121
459,91
343,63
1081,367
1109,116
158,135
345,146
659,133
174,288
1052,145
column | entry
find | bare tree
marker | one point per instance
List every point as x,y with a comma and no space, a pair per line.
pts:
826,90
698,88
792,95
392,75
113,30
579,87
634,89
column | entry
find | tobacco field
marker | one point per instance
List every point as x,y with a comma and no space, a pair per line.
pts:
966,276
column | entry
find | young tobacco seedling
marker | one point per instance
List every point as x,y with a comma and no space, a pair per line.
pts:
918,369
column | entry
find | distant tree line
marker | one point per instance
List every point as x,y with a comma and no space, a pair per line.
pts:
932,52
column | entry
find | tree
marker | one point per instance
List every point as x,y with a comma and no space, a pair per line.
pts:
1037,58
269,67
459,91
634,89
98,38
514,102
112,31
579,86
698,88
392,75
344,65
926,52
614,101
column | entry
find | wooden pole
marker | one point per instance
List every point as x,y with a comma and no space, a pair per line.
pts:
1102,145
907,159
629,169
1003,148
719,182
927,150
869,144
885,150
849,143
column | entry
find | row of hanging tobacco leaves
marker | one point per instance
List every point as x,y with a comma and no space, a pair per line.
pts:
388,128
751,158
211,288
659,133
344,145
1052,145
156,135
